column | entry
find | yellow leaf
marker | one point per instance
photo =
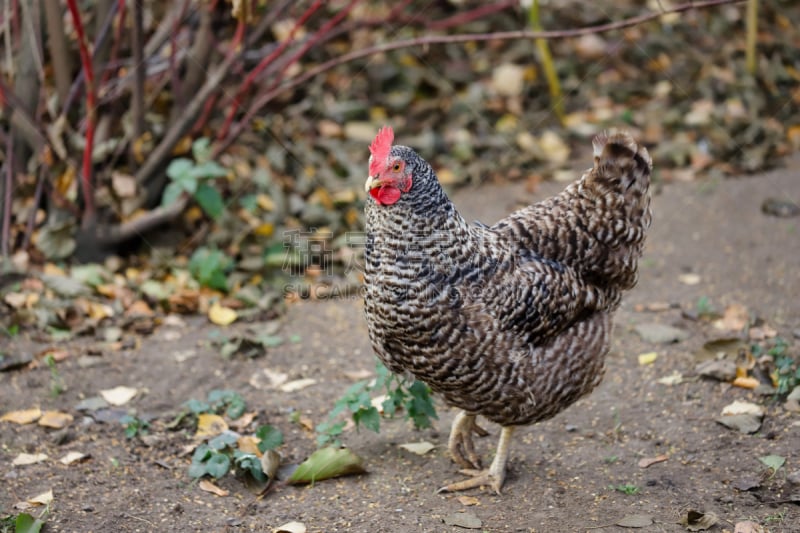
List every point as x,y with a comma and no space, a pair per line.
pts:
249,444
207,486
45,498
745,382
647,358
209,425
55,419
265,230
468,500
25,416
265,202
222,316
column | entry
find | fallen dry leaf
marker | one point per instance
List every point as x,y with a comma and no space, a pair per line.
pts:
25,459
648,461
207,486
221,316
739,407
647,358
698,521
675,378
746,382
290,527
468,500
735,318
119,395
210,425
24,416
419,448
748,527
297,384
73,457
248,444
55,419
45,498
689,279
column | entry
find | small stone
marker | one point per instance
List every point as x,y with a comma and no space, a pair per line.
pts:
660,333
720,369
745,423
793,477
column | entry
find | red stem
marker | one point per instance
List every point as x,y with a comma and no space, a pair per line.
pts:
91,111
469,16
264,63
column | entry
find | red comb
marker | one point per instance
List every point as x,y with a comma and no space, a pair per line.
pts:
380,149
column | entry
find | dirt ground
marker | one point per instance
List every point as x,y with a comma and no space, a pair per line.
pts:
562,473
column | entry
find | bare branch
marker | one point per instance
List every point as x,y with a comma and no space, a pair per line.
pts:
59,49
137,95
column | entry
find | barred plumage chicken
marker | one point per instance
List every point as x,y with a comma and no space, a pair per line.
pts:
511,321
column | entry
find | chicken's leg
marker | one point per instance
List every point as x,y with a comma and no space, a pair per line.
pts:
462,450
496,473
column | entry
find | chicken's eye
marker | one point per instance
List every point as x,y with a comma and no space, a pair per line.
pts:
396,167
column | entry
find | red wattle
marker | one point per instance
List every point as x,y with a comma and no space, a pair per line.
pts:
385,195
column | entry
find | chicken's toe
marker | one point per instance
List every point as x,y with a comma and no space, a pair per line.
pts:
460,444
478,478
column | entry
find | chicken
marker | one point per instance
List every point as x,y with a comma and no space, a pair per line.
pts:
513,321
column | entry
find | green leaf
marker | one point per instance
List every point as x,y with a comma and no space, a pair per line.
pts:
171,193
178,169
218,465
370,418
236,407
775,462
327,463
210,200
25,523
250,464
270,437
197,407
209,169
201,149
223,440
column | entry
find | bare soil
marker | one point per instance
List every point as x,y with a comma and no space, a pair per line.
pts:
561,473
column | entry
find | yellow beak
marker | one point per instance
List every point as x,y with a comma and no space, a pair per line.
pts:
372,183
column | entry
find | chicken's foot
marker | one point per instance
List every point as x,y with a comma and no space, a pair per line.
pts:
494,476
462,450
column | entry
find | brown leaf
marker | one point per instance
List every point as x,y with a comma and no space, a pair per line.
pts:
207,486
468,500
648,461
55,419
24,416
735,318
698,521
748,527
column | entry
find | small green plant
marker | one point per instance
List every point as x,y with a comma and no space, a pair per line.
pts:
56,381
10,331
776,518
134,426
187,175
220,454
611,459
414,397
704,306
626,488
23,522
209,267
219,401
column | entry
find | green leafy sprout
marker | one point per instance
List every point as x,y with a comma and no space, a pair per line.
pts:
412,396
188,175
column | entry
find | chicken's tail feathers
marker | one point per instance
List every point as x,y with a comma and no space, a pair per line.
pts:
622,164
